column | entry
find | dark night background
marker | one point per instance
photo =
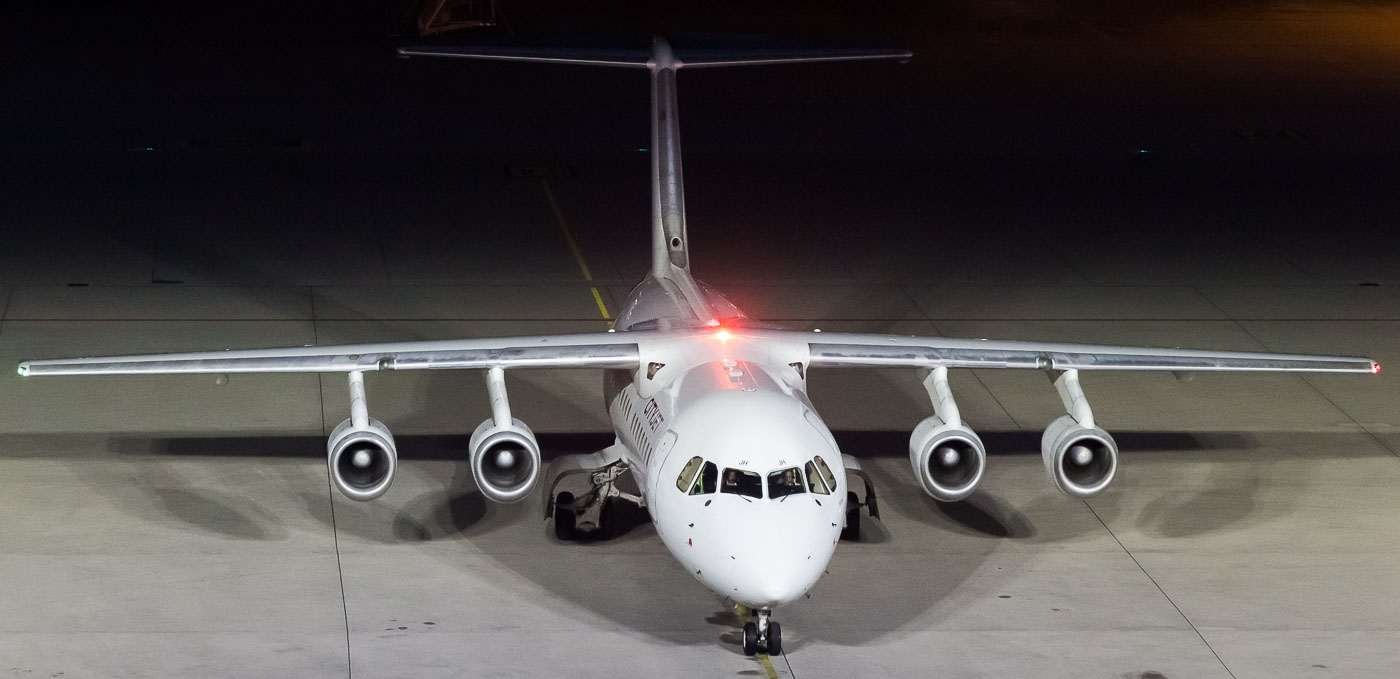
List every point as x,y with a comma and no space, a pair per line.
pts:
1269,133
180,176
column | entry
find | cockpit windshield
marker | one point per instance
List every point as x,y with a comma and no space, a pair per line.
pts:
740,482
825,471
815,482
705,482
688,473
784,482
697,477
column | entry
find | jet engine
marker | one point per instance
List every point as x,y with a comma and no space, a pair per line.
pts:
362,459
948,460
1080,460
505,460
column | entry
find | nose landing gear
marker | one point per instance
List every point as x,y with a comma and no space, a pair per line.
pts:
764,634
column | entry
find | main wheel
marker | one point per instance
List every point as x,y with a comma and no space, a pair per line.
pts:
851,533
775,638
610,519
565,520
750,638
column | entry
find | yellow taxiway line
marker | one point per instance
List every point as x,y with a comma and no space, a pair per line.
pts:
574,248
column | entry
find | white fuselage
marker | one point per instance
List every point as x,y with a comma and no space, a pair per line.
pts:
744,413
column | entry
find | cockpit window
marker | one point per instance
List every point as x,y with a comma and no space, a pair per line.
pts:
815,482
784,482
705,482
825,472
683,482
739,482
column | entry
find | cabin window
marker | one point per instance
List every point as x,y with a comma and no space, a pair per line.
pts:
825,472
705,482
784,482
683,482
815,482
740,482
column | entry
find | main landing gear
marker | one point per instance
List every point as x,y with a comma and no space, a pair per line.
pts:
851,531
603,513
764,634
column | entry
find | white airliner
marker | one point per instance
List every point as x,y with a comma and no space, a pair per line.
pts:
741,478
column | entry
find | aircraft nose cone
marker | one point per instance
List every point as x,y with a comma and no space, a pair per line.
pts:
764,554
781,571
773,590
767,587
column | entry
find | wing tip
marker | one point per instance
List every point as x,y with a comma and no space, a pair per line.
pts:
23,369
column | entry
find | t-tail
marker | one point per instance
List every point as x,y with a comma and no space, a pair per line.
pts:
670,246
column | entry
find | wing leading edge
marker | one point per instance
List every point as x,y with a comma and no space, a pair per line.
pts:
593,350
622,350
851,350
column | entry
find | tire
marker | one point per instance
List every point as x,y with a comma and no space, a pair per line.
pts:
565,520
616,518
750,638
851,533
775,638
609,520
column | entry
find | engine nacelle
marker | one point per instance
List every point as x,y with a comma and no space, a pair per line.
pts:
362,460
948,460
1080,460
505,460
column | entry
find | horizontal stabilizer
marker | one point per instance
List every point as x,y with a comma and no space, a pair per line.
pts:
647,57
627,58
765,56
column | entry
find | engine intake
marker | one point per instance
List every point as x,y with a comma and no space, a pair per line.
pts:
948,460
505,460
1080,460
362,460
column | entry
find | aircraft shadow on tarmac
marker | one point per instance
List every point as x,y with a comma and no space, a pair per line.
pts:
660,599
153,490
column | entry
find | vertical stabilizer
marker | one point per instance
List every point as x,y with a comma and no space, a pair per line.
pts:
670,247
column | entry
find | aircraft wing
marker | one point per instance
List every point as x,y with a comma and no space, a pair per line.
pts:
852,350
621,350
591,350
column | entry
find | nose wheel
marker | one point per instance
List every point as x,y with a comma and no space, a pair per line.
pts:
763,634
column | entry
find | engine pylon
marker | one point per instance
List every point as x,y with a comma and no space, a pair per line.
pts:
505,458
360,453
947,456
1080,457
